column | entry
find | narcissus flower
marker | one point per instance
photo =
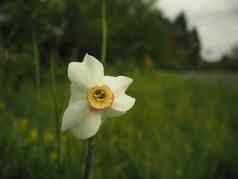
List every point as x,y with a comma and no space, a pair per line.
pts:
94,97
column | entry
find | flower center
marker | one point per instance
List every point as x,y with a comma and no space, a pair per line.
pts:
100,97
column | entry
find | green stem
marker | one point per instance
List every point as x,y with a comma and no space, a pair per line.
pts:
90,144
104,32
89,158
36,62
55,106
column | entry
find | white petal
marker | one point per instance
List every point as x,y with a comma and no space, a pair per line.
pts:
78,73
86,74
77,93
118,84
74,114
121,105
88,127
96,69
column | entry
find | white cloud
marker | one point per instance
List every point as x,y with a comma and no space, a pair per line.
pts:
216,21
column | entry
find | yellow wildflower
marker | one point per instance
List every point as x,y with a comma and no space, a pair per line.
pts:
22,124
54,156
33,135
48,137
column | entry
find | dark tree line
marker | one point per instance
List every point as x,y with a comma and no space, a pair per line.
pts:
70,28
186,46
228,62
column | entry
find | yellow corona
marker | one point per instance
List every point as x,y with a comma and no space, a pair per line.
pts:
100,97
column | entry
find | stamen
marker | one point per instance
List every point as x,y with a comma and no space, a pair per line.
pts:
99,94
100,97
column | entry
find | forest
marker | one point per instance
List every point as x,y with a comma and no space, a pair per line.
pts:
137,30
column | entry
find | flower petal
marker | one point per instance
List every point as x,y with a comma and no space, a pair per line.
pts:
121,105
77,93
88,127
118,84
86,74
74,114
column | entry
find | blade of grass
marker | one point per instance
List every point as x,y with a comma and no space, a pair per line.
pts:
55,108
104,32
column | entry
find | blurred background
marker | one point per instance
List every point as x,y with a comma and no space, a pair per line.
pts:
183,56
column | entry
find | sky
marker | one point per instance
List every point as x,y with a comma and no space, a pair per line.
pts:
216,21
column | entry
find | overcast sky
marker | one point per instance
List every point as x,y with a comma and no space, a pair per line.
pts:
216,20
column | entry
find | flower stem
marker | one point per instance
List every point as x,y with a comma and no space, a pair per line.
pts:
104,32
89,158
37,62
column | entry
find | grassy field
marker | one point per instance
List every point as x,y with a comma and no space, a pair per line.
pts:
182,127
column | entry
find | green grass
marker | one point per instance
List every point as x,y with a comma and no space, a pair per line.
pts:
179,128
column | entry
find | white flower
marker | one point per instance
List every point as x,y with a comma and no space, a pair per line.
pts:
94,97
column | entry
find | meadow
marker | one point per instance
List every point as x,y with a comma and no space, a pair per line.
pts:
182,127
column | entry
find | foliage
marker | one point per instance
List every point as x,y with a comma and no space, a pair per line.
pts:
70,28
183,126
186,43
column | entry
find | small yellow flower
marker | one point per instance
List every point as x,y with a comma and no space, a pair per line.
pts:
2,106
48,137
33,135
54,156
22,124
